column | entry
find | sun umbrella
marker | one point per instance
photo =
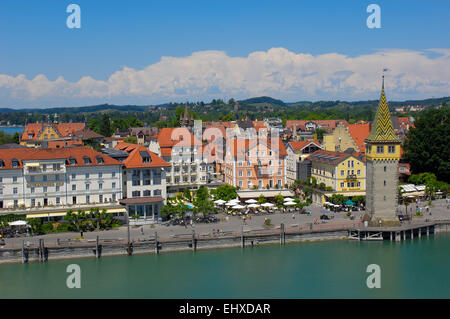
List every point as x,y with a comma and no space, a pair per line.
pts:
289,203
349,202
230,204
267,205
219,202
253,205
251,201
238,207
18,223
288,199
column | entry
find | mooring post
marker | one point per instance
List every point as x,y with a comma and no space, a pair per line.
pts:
390,236
359,235
420,232
23,251
194,248
96,248
281,234
242,237
404,235
398,236
428,231
156,243
412,233
41,254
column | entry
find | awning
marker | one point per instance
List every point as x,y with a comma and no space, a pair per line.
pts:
32,165
40,215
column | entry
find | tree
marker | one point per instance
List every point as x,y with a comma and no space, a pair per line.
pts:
105,126
204,207
337,199
426,145
130,139
319,132
224,192
261,199
76,220
202,193
279,199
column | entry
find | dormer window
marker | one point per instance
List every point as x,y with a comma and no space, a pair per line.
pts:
99,160
72,161
87,160
15,163
2,164
145,157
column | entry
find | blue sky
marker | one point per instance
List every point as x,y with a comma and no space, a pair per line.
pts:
136,34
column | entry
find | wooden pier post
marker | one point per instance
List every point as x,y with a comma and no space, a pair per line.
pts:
420,232
281,234
390,236
404,235
41,251
156,243
412,233
428,231
242,237
23,251
96,249
194,245
398,236
359,235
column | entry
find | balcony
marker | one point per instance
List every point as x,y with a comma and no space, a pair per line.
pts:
351,177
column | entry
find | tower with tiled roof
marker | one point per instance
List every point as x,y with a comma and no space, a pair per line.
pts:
382,155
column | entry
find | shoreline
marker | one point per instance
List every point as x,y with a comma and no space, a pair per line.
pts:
68,252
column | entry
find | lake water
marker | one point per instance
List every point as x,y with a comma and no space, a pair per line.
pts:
331,269
12,129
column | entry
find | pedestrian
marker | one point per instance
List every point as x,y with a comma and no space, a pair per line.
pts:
293,216
142,230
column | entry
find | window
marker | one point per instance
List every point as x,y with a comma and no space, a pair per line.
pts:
74,187
384,183
113,174
136,182
14,179
136,194
58,200
241,183
240,163
369,148
240,173
342,172
86,175
33,202
358,172
384,168
100,174
32,179
74,200
156,192
45,189
391,149
56,177
87,186
358,184
380,149
100,185
15,190
73,176
88,198
57,188
113,185
44,178
32,190
146,193
384,197
100,198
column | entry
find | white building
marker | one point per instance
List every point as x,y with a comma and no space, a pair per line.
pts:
56,177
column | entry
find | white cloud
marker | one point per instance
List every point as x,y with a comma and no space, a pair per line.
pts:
278,73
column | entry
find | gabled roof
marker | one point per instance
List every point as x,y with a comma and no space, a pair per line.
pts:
359,132
86,133
136,154
299,145
63,129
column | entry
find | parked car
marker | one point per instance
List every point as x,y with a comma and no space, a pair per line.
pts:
324,217
403,217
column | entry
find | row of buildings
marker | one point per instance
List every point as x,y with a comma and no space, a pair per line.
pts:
54,167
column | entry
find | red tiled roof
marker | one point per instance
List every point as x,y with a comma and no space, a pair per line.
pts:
78,153
177,136
141,200
59,144
359,132
299,145
134,159
63,129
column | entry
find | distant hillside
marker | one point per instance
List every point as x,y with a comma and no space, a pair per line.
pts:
82,109
262,100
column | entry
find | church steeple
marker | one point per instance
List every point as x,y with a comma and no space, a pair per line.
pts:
382,130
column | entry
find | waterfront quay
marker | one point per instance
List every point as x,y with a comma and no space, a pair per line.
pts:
231,232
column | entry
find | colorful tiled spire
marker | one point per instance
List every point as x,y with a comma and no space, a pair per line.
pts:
382,130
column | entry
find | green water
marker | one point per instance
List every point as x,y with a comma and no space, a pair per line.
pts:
332,269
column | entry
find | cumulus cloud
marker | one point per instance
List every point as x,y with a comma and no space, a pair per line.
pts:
277,72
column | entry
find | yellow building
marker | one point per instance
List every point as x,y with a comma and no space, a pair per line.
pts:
342,173
339,140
